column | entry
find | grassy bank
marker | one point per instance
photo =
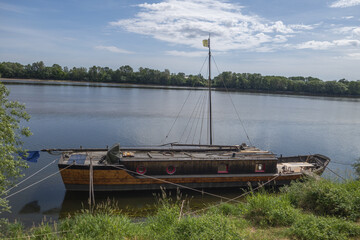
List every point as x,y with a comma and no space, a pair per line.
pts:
308,210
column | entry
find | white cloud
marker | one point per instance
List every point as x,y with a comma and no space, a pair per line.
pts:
347,42
355,56
352,31
113,49
345,3
316,45
189,21
323,45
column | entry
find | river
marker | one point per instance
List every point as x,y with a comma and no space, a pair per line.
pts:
67,116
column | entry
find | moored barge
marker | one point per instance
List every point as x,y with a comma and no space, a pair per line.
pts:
120,169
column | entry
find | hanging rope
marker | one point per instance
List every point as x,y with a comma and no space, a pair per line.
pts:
237,113
91,185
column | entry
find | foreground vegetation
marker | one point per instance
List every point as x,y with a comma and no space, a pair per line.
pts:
308,210
12,131
238,81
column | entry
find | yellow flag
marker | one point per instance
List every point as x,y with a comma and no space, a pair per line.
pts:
205,43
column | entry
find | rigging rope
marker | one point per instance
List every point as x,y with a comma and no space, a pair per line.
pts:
237,113
198,119
196,113
189,119
202,117
167,135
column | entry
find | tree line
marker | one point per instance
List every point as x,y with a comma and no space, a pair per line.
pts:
230,80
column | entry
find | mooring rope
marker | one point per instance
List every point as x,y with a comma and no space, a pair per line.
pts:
175,184
38,182
17,184
233,199
336,173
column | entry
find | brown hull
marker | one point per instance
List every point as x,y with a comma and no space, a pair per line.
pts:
117,180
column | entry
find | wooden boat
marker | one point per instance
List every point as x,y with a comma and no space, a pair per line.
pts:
181,165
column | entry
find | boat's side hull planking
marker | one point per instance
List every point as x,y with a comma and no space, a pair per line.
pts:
117,180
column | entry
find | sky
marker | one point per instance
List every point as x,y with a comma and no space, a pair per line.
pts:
272,37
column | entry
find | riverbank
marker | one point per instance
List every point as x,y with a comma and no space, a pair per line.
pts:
92,84
308,210
151,86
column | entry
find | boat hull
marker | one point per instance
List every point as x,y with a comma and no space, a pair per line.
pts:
77,178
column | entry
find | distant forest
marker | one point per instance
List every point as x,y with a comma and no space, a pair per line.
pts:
230,80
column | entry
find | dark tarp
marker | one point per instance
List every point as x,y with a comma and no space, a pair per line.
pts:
32,156
113,154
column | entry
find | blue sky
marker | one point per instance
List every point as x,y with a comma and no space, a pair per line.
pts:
273,37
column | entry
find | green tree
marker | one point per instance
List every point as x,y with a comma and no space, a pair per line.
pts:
11,131
354,87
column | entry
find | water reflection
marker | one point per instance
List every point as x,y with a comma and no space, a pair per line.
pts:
31,207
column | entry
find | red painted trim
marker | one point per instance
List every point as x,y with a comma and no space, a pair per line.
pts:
227,169
172,171
141,170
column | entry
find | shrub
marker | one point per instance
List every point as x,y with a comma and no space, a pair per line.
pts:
324,197
266,210
310,227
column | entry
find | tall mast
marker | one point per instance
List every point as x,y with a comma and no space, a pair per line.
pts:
210,108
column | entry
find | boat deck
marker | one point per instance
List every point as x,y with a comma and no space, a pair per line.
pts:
128,155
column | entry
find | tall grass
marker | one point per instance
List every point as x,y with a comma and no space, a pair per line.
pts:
262,215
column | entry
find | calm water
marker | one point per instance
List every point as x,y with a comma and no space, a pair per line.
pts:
70,116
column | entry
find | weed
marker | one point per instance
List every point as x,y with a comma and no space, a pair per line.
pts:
310,227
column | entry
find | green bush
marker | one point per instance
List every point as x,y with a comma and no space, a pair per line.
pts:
268,210
324,197
99,226
310,227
